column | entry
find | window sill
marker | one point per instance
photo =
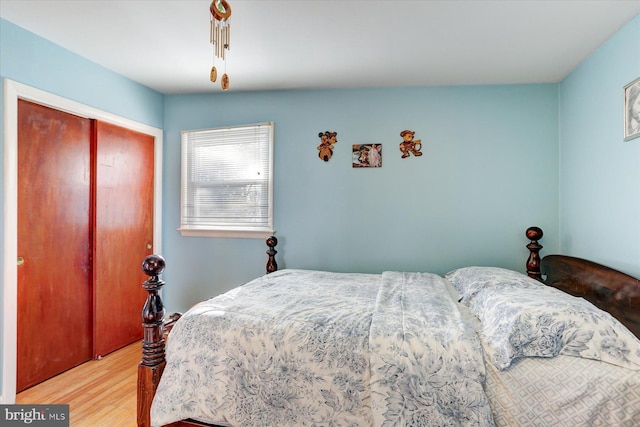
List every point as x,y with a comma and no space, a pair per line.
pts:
243,234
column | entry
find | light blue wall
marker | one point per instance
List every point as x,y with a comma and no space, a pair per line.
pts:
31,60
489,171
34,61
599,172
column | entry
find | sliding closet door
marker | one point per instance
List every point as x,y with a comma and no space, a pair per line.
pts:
54,242
123,233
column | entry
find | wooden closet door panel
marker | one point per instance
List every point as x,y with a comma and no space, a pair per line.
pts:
123,233
54,282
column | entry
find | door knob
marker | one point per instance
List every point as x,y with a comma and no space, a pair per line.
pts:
20,260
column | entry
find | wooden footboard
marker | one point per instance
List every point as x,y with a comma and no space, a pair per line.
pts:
156,327
153,362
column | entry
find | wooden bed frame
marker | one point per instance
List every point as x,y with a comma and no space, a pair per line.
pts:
608,289
156,328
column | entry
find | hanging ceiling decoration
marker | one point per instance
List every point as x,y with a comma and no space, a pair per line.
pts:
219,36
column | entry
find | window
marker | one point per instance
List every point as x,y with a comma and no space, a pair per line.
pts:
227,182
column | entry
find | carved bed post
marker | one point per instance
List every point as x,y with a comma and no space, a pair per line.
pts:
533,262
153,361
272,265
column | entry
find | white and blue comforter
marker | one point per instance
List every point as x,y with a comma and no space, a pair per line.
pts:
309,348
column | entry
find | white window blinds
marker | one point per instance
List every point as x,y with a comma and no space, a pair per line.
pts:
227,182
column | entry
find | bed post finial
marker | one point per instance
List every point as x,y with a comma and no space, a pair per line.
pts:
272,265
153,361
533,262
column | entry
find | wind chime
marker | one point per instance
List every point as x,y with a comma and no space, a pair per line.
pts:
219,36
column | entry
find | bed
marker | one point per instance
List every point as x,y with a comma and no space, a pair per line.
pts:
480,346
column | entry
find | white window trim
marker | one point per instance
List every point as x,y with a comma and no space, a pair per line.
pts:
227,231
235,233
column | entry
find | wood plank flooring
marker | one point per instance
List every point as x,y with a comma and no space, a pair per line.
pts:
100,393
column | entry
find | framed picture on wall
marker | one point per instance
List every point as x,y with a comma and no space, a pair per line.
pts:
367,155
632,110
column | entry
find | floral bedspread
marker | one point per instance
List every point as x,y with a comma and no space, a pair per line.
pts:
427,366
310,348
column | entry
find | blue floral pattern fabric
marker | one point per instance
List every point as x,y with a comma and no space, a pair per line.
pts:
468,281
296,348
427,367
525,318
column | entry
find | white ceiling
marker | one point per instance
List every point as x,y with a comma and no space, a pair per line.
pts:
305,44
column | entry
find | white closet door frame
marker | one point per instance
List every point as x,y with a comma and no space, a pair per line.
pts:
12,92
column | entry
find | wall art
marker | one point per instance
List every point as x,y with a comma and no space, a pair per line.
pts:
410,145
367,155
632,110
327,141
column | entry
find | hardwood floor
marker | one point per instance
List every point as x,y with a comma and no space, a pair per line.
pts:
100,393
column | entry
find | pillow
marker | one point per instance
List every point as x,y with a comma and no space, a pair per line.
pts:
526,321
469,280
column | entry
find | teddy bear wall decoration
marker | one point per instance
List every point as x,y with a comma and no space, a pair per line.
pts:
327,141
409,145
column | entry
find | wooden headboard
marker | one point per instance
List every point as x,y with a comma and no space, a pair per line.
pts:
608,289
